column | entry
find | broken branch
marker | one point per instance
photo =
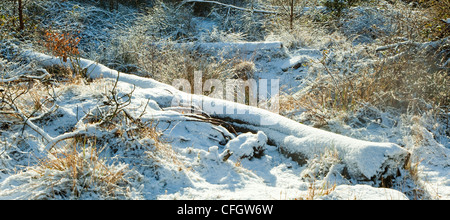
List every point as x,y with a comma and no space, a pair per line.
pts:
26,77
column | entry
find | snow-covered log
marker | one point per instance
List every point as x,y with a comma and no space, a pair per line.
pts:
96,70
231,48
241,46
364,160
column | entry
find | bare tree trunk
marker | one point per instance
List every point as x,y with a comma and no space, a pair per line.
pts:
21,22
291,16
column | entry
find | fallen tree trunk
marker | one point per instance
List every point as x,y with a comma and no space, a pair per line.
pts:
227,48
241,46
364,160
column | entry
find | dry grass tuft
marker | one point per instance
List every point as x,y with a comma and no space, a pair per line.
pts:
243,69
74,171
315,192
160,150
65,75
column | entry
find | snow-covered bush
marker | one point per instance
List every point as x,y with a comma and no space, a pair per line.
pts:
253,26
338,6
319,167
365,25
166,21
114,4
244,69
247,146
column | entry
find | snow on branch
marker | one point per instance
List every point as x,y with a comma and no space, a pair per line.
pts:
26,77
432,48
426,45
9,98
10,95
396,45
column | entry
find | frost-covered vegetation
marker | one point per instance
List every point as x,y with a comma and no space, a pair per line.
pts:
101,99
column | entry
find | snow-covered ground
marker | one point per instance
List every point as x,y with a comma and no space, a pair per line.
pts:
249,153
200,148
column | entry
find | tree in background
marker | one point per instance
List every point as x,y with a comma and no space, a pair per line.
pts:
338,6
114,4
288,8
438,12
18,7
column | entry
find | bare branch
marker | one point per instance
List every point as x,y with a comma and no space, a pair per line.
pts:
26,77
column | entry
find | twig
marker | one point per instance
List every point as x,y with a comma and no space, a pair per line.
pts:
214,121
89,130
